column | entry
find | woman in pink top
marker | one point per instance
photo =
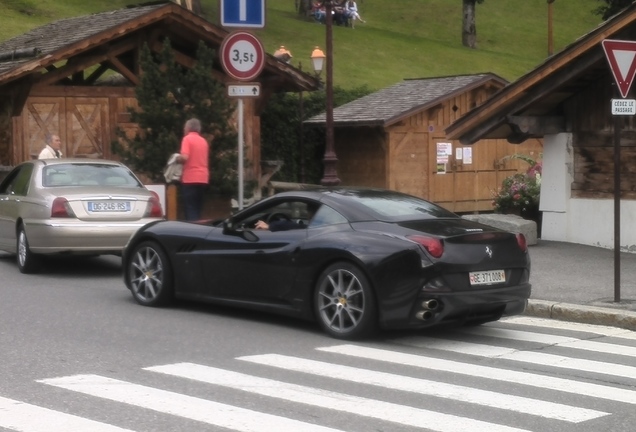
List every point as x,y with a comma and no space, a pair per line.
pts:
194,156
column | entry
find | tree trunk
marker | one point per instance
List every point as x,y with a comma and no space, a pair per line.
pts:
197,8
304,7
469,30
191,5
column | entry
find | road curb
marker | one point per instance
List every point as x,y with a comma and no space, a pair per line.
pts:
582,314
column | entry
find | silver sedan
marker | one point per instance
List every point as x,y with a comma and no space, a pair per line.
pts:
71,206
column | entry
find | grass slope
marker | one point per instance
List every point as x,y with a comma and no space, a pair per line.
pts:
401,39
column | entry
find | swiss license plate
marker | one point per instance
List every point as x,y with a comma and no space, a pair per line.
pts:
487,277
108,206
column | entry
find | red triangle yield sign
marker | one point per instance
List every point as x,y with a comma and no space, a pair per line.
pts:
621,56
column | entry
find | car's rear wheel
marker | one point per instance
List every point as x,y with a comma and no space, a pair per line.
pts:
28,262
344,302
149,275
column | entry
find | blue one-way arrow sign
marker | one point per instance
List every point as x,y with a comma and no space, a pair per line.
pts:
243,13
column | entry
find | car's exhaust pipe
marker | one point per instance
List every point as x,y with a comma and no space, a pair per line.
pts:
430,304
424,315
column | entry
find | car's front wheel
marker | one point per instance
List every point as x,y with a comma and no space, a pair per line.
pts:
28,262
149,275
344,302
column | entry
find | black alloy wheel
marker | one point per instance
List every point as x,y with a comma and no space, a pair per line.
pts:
149,275
344,302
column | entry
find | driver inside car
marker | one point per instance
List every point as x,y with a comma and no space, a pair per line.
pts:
284,223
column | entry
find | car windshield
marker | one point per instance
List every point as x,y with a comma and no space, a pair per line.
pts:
401,206
88,175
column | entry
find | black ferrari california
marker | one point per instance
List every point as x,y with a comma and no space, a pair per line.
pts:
353,259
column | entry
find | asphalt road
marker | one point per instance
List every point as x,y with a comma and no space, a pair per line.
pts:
76,318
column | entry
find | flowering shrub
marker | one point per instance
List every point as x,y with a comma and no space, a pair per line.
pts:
520,192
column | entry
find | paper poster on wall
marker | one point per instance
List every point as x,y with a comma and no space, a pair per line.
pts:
468,155
458,153
444,149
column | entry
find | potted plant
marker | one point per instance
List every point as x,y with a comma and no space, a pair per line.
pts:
520,193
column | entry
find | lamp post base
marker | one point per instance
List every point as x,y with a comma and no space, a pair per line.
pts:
330,176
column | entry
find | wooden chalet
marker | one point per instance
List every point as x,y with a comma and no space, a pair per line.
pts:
391,139
566,101
51,79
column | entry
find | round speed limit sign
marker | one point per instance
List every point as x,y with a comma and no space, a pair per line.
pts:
242,56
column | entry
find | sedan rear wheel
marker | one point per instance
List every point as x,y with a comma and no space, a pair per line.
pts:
149,275
344,302
28,262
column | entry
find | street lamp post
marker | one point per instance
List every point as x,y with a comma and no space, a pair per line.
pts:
330,175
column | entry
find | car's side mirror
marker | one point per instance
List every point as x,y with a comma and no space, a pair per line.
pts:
230,229
227,226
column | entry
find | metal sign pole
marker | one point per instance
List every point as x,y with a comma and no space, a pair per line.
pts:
617,209
240,153
621,56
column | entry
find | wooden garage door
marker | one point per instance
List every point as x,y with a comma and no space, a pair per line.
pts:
87,127
81,123
42,116
469,182
408,160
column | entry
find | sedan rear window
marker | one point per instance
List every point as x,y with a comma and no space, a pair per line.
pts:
88,175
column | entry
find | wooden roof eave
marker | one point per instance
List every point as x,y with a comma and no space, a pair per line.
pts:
172,13
89,43
487,122
345,123
471,127
438,101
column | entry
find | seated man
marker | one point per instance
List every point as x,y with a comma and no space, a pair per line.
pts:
340,17
284,223
279,225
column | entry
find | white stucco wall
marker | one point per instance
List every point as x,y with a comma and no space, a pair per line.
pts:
577,220
556,183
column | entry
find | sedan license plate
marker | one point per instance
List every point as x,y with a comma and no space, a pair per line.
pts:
487,277
108,206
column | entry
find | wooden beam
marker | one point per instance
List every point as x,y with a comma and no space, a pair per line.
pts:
84,62
78,78
561,77
187,61
537,126
93,77
122,69
20,91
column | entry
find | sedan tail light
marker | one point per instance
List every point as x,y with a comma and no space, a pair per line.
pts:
154,206
433,246
521,241
61,208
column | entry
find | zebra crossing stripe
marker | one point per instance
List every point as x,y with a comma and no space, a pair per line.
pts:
532,357
390,412
205,411
562,341
23,417
431,388
552,324
474,370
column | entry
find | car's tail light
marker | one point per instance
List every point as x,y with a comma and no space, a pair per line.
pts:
154,206
521,241
433,246
61,208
